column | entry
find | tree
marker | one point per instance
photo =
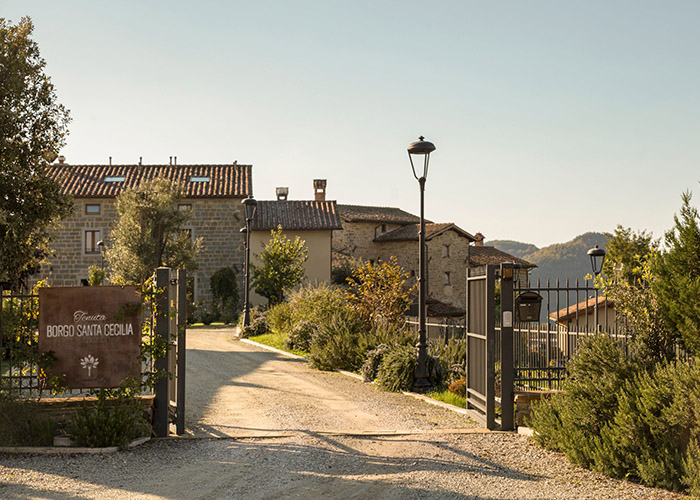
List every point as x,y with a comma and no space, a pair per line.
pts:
625,250
33,127
678,269
282,266
379,293
149,233
224,289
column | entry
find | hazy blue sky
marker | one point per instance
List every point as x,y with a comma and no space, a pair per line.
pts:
550,118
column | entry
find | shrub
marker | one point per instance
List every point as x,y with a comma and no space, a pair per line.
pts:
96,275
316,303
23,424
397,369
279,317
301,335
208,313
257,326
335,345
372,361
452,356
597,375
458,387
224,289
109,423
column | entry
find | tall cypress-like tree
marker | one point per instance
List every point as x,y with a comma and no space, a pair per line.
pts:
149,233
678,269
33,128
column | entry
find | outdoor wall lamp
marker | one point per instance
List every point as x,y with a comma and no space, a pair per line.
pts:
418,149
250,206
597,256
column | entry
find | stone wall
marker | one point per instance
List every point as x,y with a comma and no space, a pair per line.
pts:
216,220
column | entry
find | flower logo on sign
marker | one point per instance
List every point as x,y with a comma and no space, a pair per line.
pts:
89,362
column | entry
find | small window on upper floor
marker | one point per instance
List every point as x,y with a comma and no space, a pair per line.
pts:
195,178
445,250
383,228
115,178
92,209
447,279
185,207
92,238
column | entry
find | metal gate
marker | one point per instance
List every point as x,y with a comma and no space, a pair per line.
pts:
480,334
490,340
171,320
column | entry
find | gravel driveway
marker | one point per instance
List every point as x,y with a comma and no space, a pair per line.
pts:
261,425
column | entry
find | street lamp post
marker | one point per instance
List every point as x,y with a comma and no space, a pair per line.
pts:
597,256
418,149
250,206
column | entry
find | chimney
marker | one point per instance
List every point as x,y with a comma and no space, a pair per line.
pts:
282,193
61,160
320,189
479,240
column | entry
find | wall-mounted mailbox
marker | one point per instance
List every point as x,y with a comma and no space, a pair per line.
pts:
529,304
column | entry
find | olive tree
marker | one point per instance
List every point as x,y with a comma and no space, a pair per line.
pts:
282,266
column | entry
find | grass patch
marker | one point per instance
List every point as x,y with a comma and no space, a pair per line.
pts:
442,394
276,340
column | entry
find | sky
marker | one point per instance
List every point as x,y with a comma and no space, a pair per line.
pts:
550,118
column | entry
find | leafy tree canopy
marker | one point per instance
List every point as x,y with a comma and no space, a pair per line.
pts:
282,266
678,269
625,252
379,293
33,127
149,233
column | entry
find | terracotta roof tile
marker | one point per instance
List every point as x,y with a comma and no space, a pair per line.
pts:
483,255
586,306
360,213
296,215
409,232
88,181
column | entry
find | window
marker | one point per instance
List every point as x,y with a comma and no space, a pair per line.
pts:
115,178
92,209
195,178
185,207
92,237
383,228
447,279
445,250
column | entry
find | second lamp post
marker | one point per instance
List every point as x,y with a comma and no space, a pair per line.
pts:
421,151
250,206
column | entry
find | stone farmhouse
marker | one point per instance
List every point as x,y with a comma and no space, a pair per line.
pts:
378,233
211,193
313,221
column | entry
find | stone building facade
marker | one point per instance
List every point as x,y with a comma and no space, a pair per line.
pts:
379,233
212,195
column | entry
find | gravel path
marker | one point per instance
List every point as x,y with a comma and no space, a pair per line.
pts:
286,431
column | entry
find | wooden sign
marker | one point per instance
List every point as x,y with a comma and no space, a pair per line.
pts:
94,333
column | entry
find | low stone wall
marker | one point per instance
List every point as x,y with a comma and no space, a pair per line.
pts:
523,403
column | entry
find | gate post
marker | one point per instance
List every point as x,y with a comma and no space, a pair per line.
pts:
181,349
507,314
162,333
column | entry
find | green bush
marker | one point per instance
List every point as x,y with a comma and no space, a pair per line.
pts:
372,360
316,303
23,424
279,317
397,369
336,344
300,336
452,356
458,387
110,422
224,289
597,375
257,326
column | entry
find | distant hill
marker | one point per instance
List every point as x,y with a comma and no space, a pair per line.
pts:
558,261
513,247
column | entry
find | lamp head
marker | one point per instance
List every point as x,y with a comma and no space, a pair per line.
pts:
420,148
597,256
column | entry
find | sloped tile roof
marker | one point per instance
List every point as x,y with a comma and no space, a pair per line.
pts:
360,213
296,215
483,255
409,232
88,181
586,306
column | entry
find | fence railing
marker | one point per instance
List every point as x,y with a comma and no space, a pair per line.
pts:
19,326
